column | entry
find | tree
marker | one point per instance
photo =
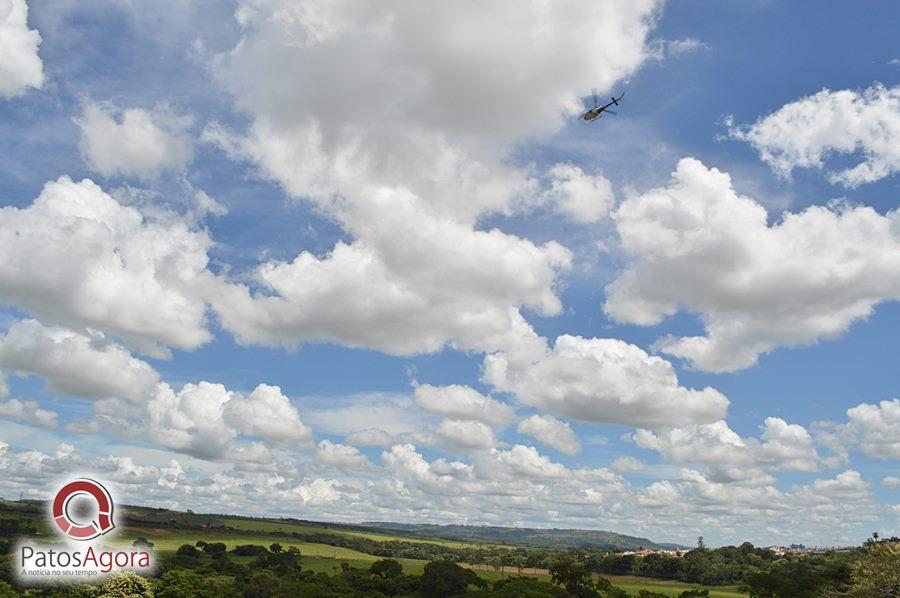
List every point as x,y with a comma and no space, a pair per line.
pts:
386,569
262,584
573,577
7,591
701,545
443,579
877,573
125,585
187,550
525,587
187,555
180,582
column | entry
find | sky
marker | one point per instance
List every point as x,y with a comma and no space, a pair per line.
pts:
365,262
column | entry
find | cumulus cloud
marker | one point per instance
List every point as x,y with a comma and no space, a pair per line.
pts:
526,461
341,456
847,484
698,245
370,437
268,414
873,429
781,447
465,434
501,486
463,402
134,142
581,197
601,380
20,65
77,257
409,176
414,284
203,420
458,89
551,432
627,464
804,133
76,364
28,412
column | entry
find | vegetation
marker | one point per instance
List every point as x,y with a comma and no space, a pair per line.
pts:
210,556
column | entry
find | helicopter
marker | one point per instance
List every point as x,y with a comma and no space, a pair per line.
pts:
598,110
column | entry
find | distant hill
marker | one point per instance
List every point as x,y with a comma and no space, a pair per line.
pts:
523,536
150,517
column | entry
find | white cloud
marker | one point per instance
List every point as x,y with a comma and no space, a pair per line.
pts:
525,461
877,427
465,434
551,432
415,283
382,412
75,364
686,45
78,258
460,95
891,482
29,412
499,487
409,176
787,446
781,447
252,456
346,458
20,65
268,414
804,133
203,420
627,464
370,437
463,402
189,420
581,197
699,246
848,484
134,142
601,380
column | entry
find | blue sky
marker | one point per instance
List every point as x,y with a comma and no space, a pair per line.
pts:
686,68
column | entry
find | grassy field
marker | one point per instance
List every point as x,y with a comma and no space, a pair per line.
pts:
278,526
169,542
674,588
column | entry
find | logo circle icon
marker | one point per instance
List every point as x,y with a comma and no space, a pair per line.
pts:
81,488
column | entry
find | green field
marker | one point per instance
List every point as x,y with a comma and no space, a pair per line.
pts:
279,526
170,542
328,559
674,588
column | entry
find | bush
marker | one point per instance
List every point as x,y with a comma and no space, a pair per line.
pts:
124,585
386,569
443,579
